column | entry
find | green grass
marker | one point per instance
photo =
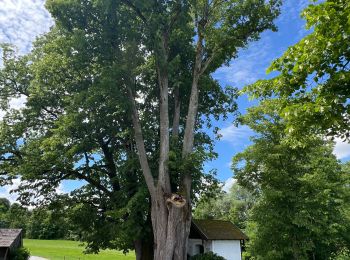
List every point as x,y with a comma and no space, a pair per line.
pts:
70,250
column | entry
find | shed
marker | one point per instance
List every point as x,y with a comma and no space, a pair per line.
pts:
219,236
9,239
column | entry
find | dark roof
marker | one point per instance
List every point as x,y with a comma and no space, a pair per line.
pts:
217,230
8,236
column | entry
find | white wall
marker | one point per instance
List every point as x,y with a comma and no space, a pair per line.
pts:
229,249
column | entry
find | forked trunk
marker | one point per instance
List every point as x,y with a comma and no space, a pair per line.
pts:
171,220
170,213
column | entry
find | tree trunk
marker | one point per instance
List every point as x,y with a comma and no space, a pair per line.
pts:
170,213
143,250
171,220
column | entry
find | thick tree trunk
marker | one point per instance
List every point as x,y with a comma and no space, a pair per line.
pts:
170,213
171,220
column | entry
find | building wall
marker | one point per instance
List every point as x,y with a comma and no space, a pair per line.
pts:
4,253
229,249
193,244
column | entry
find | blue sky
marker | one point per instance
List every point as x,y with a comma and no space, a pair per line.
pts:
22,20
250,66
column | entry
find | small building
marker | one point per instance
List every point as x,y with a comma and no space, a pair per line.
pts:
10,239
218,236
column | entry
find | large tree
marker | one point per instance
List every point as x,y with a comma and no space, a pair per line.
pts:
69,131
302,192
123,70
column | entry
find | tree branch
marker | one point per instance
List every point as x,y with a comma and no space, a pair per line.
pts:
206,63
112,170
91,181
175,16
146,170
163,177
135,9
177,107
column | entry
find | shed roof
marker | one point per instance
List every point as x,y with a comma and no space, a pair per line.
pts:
8,236
218,230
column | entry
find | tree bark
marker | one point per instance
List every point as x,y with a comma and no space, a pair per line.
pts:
146,170
177,107
163,174
170,219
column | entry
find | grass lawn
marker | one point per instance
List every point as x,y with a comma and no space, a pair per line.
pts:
70,250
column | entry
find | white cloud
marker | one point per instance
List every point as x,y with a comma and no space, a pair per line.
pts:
5,190
292,9
341,149
229,164
249,66
21,21
252,62
15,103
228,184
234,134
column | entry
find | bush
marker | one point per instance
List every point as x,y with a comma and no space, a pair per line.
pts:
207,256
21,253
343,254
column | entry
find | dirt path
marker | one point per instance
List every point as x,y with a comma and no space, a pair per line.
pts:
37,258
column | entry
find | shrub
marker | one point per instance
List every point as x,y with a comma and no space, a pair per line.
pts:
343,254
207,256
21,253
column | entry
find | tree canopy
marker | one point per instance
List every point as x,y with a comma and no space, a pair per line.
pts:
101,89
301,192
312,84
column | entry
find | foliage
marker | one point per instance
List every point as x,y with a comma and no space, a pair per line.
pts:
233,206
312,87
41,222
21,253
45,223
302,192
13,215
4,205
207,256
343,254
77,123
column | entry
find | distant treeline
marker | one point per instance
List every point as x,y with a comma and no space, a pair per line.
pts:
37,223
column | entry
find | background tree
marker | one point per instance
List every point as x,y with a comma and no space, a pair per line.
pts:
302,192
17,217
234,206
4,207
313,75
13,215
49,223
